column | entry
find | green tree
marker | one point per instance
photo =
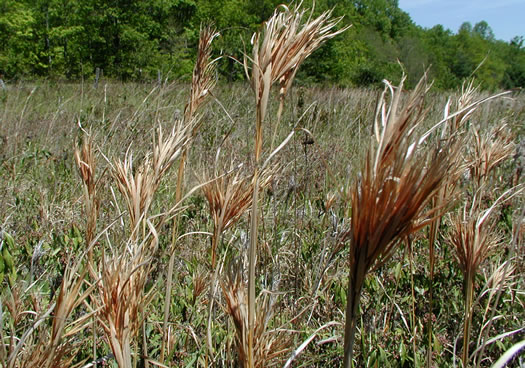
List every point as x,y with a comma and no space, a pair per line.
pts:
236,21
515,71
17,51
439,42
59,37
414,57
477,53
483,30
136,39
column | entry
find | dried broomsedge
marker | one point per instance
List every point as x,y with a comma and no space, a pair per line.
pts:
122,297
126,272
139,185
278,51
203,78
229,196
269,347
465,107
465,99
202,84
389,199
285,41
60,348
489,150
86,163
474,237
473,232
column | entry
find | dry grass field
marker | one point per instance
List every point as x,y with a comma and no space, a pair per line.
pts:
261,224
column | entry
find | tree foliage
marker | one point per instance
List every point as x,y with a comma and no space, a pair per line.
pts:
140,39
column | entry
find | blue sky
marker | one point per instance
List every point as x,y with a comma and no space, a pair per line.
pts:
505,17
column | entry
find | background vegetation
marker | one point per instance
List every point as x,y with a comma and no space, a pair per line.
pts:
142,40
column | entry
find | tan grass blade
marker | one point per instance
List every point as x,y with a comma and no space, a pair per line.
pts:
474,237
488,151
122,297
229,196
269,347
388,202
61,348
202,85
203,78
138,185
285,41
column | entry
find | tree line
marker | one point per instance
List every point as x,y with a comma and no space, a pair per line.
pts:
141,40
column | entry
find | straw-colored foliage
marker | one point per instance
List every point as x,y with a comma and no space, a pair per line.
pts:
138,185
123,298
489,150
55,346
229,196
269,347
203,79
399,178
285,41
473,236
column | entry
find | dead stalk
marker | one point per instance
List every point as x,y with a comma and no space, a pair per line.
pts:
278,50
229,197
399,178
449,131
203,82
474,237
86,163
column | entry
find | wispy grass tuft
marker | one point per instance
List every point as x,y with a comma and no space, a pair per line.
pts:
202,83
285,41
55,346
122,295
269,347
399,177
138,185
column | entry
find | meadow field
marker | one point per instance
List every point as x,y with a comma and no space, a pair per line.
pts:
199,225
